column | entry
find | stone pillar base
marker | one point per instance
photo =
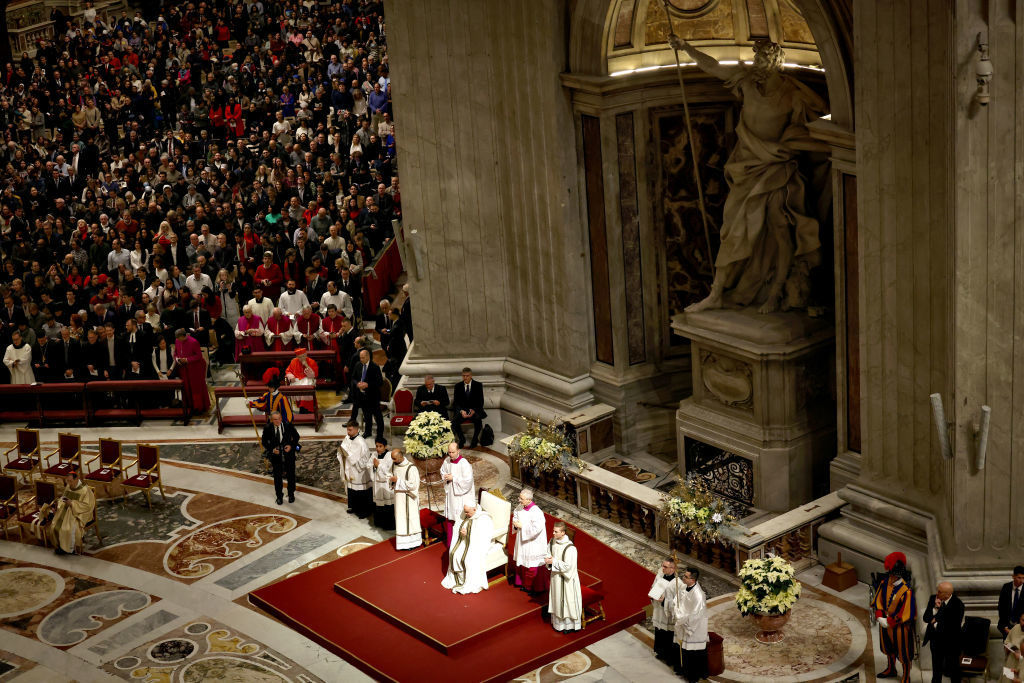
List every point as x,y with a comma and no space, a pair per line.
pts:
763,404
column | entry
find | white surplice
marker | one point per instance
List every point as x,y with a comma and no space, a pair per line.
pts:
691,625
565,597
356,465
21,373
408,533
663,611
467,572
460,491
532,538
383,494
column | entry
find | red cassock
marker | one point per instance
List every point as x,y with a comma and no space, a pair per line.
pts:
331,325
308,327
193,373
283,327
274,275
297,370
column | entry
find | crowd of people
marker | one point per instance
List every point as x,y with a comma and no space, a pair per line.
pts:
223,168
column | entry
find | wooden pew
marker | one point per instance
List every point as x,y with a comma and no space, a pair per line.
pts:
39,403
99,410
253,365
253,391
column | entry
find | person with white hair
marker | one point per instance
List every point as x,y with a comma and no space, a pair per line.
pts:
467,571
459,488
248,332
531,545
278,331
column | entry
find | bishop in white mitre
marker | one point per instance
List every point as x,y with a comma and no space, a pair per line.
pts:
565,597
405,480
467,572
459,488
531,545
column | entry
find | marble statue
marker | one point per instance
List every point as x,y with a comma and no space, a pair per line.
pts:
769,242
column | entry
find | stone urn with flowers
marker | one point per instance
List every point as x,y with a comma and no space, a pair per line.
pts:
768,591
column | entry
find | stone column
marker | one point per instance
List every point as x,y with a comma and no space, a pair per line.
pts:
489,177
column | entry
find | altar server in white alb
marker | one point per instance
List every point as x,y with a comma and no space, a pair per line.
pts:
692,626
383,494
565,597
467,572
357,471
531,545
405,480
459,488
663,613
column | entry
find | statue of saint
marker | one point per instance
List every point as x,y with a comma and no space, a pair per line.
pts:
769,240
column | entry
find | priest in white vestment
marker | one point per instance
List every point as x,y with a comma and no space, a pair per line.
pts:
663,613
565,596
459,488
692,625
405,479
531,545
467,572
357,471
383,494
18,359
75,509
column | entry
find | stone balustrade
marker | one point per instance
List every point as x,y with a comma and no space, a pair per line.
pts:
29,21
635,511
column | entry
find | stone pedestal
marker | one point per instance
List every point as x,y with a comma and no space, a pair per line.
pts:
762,413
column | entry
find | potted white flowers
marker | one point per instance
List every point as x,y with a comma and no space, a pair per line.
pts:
768,591
428,436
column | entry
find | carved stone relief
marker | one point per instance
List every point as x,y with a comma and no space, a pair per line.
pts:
727,379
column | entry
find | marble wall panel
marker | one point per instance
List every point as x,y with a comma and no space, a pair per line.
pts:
630,218
600,287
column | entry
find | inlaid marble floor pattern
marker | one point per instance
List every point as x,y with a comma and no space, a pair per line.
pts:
163,599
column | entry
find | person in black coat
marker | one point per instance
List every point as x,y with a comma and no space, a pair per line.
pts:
281,443
468,406
942,618
364,392
1011,601
136,349
430,397
64,357
198,323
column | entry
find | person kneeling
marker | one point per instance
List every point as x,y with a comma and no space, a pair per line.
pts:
565,598
467,572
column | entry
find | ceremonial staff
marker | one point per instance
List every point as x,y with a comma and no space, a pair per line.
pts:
259,438
689,133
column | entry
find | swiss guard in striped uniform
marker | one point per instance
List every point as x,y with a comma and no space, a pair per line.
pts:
895,610
273,400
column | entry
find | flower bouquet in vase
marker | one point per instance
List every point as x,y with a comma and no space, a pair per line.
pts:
694,512
768,591
427,439
543,451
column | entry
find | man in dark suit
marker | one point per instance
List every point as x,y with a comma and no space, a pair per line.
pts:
281,443
349,283
430,397
198,323
942,619
1011,601
468,406
65,358
135,352
364,393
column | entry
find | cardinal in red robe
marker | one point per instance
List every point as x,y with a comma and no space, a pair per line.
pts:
278,331
192,370
302,371
307,327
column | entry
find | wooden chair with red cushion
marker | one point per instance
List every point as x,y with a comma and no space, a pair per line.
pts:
110,469
37,512
147,472
27,463
593,605
402,416
9,506
432,524
69,457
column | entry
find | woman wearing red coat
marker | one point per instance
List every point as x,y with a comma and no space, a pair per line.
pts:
269,276
233,118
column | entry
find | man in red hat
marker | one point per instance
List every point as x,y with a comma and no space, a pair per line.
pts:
895,610
302,371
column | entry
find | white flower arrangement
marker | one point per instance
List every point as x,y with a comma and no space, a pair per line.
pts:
767,586
543,447
428,436
692,510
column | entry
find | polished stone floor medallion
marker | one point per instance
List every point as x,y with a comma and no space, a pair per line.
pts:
73,622
566,667
27,589
822,641
203,550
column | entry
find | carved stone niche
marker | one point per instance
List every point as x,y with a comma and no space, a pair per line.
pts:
763,388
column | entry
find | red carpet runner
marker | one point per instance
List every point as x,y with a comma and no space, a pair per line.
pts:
389,616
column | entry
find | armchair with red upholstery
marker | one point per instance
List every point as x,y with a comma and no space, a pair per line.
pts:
109,469
40,518
27,462
402,415
69,457
147,472
9,506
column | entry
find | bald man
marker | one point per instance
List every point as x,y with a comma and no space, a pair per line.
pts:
942,619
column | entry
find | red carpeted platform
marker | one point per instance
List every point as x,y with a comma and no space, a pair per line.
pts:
453,621
386,613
